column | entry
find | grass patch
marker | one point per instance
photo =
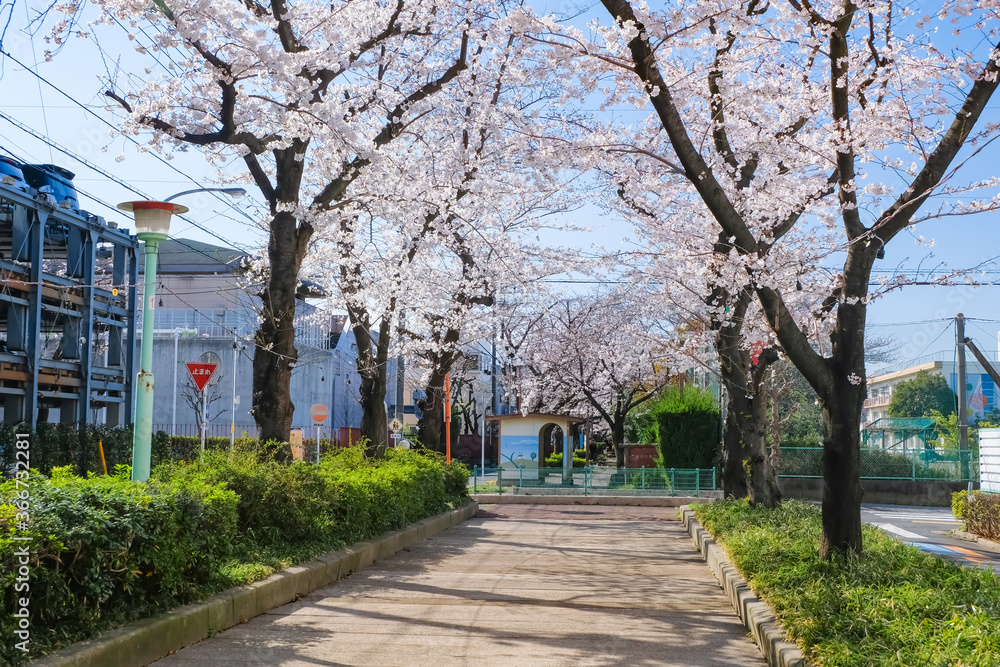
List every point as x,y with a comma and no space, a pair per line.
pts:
893,605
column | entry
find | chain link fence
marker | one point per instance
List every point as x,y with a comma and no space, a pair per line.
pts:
913,464
593,480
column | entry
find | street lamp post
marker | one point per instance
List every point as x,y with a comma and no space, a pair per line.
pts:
152,222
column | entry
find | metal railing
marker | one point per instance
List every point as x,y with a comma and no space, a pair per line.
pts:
593,480
913,464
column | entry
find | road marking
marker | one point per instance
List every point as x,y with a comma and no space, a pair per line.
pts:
890,528
969,553
948,550
949,522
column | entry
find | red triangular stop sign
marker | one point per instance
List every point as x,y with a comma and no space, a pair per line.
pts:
201,373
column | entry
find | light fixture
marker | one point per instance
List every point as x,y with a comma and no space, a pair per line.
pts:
235,193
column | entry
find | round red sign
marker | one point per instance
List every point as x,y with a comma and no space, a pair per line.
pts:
318,412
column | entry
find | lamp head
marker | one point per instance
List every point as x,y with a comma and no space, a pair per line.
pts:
152,216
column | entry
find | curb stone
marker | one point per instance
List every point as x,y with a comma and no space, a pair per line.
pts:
150,639
756,615
982,542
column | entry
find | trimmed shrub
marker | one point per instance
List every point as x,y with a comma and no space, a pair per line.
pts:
958,502
555,460
456,479
688,428
106,550
982,515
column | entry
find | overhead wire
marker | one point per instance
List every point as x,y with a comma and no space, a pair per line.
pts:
112,177
115,209
187,177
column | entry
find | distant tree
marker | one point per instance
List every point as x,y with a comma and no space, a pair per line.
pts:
919,396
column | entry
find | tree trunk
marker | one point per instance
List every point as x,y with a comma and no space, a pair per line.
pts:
618,440
747,468
430,427
373,423
763,480
371,362
734,476
275,354
841,473
733,363
843,402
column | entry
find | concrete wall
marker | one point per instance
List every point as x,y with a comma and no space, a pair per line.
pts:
317,378
888,491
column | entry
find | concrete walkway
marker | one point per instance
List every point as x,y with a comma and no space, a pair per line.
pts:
517,585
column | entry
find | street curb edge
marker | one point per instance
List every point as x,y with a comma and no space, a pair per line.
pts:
757,615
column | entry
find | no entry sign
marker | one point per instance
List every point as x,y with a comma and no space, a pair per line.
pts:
201,373
319,413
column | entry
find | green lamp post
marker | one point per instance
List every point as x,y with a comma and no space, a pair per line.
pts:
152,222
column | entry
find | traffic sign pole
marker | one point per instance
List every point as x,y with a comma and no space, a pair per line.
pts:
201,375
319,413
204,416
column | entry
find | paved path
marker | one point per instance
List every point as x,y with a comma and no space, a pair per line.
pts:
518,585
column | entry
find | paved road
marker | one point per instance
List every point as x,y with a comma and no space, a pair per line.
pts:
519,585
927,529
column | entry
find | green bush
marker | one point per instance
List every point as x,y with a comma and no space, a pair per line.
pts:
982,515
892,605
456,479
687,428
555,460
958,502
106,550
57,445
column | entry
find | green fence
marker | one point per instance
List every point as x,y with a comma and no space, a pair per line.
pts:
913,464
593,480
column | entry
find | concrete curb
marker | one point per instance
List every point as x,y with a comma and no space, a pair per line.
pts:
982,542
150,639
756,615
637,501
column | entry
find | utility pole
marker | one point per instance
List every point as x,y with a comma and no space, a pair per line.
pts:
493,372
963,411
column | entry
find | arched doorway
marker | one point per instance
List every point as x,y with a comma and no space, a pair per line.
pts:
551,440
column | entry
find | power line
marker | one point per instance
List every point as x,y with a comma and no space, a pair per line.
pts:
90,111
115,209
112,177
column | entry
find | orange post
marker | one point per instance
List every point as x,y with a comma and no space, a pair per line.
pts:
100,448
447,417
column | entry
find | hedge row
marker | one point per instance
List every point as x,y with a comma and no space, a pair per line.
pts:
980,511
105,551
59,445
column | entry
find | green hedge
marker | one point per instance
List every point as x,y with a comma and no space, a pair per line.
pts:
58,445
687,428
105,551
556,460
982,515
958,502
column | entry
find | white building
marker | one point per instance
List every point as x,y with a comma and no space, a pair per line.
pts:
981,392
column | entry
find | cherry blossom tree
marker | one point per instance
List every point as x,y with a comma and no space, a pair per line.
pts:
608,352
311,97
760,109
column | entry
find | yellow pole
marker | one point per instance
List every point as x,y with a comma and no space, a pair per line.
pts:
100,448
